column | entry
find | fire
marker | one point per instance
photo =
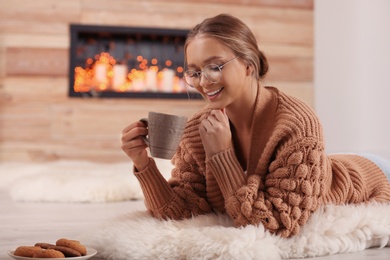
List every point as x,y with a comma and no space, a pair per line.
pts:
104,73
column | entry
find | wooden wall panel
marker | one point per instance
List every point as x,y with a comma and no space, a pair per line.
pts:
29,61
266,22
25,122
36,111
38,16
36,40
300,4
291,69
38,122
37,61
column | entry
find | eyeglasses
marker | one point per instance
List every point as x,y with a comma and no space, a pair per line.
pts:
212,72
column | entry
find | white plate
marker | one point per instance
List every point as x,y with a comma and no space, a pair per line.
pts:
90,252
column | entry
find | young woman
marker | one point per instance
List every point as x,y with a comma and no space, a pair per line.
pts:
252,152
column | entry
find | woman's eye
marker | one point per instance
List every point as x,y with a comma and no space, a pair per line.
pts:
191,74
213,67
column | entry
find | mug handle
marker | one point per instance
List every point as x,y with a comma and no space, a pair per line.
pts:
144,137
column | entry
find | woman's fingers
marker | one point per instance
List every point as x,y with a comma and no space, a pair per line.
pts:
133,125
215,133
132,140
134,144
133,131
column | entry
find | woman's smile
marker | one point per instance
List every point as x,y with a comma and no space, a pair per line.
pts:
214,93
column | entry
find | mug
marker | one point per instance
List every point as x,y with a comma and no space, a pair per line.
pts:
164,133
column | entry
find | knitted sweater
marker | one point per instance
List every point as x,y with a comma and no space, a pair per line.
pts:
288,174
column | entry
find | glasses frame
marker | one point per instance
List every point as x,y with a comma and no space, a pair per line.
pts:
200,72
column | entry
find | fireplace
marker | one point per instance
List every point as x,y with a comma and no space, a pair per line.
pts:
116,62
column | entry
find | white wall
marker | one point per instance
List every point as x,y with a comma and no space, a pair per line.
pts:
352,74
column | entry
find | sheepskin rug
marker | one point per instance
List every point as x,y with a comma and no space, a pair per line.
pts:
331,230
73,181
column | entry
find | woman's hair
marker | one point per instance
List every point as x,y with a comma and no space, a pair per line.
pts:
235,35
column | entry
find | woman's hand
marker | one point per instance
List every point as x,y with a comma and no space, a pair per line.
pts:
215,133
134,146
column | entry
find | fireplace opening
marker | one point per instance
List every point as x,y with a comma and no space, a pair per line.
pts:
116,62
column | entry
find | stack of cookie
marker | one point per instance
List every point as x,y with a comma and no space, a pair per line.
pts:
61,249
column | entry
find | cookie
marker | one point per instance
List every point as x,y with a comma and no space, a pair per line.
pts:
67,251
44,245
74,244
27,251
49,253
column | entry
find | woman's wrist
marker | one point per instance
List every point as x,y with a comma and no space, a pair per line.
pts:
141,164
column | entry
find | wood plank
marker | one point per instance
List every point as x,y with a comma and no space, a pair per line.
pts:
39,16
36,40
35,90
290,69
45,7
2,65
287,51
177,6
37,61
283,33
272,23
303,4
25,123
2,59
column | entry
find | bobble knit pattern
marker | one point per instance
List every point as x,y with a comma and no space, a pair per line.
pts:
287,179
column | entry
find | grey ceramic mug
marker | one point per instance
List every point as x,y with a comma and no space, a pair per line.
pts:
164,133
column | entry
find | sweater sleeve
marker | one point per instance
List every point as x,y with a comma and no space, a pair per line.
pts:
284,199
184,195
181,197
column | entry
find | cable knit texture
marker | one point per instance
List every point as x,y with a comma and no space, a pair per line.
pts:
287,178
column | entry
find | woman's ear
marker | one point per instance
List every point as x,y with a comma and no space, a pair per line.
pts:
249,69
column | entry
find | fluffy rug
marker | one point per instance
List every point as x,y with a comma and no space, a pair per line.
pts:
73,181
331,230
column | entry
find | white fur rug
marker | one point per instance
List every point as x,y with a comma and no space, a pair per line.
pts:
73,181
331,230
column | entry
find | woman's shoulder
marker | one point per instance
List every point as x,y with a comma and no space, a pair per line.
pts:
294,117
290,105
287,99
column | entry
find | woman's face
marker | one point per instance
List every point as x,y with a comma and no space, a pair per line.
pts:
202,51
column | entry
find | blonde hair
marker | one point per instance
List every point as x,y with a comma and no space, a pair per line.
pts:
235,35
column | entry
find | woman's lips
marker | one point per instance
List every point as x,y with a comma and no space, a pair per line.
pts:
213,94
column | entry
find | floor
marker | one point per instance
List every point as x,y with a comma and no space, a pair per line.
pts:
28,223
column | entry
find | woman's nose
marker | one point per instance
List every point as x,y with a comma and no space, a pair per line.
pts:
204,81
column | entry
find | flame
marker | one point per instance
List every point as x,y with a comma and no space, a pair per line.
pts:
99,75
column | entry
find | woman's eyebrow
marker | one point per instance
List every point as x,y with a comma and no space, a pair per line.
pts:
206,61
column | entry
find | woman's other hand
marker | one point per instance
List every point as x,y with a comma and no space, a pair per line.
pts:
215,133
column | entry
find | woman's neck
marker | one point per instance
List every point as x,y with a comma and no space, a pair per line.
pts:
240,112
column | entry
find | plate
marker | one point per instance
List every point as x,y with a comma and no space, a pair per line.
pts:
90,252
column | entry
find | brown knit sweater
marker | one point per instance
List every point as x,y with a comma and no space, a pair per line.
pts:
287,179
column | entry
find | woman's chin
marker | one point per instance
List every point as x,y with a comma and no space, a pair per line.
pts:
215,105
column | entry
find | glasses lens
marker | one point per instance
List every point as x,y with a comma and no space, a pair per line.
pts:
190,76
213,73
